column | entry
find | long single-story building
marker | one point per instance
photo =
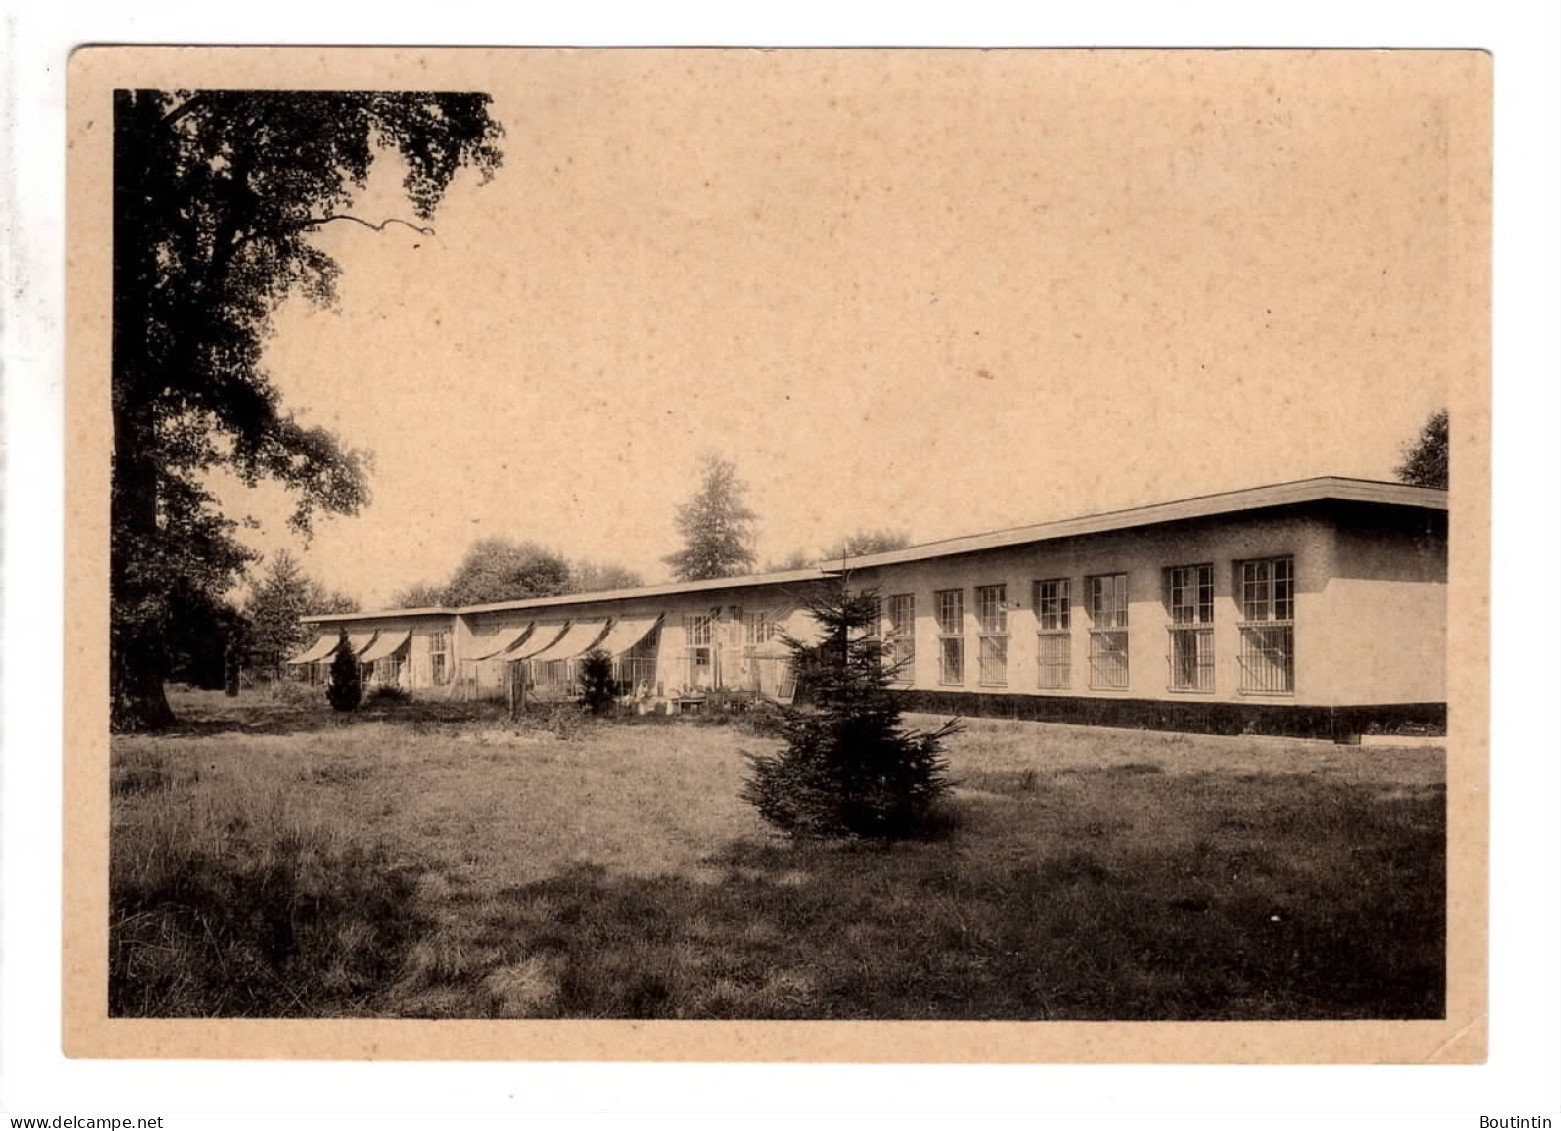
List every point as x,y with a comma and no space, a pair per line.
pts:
1314,607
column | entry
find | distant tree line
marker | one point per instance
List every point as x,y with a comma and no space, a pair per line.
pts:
503,569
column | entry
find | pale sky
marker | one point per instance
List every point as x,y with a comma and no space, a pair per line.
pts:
941,293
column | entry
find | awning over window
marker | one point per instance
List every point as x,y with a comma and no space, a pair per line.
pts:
539,641
358,641
625,633
317,651
386,646
487,647
577,638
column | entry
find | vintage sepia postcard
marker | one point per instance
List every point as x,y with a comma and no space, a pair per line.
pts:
778,555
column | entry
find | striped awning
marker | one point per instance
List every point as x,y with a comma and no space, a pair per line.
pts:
625,633
319,650
580,637
539,641
487,647
388,644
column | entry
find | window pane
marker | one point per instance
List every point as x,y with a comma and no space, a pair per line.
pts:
1267,661
1108,660
951,611
1052,660
994,660
951,660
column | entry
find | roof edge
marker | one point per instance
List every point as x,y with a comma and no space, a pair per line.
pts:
1317,489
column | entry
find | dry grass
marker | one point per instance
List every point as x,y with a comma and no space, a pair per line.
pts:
433,860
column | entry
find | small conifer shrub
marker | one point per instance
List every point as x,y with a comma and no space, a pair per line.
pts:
597,688
849,768
345,690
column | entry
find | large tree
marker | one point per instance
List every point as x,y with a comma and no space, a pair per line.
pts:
716,525
217,195
1425,460
280,599
498,569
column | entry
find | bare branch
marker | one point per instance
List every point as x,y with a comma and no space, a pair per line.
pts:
321,221
380,227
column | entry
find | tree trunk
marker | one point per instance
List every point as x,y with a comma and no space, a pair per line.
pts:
138,659
140,702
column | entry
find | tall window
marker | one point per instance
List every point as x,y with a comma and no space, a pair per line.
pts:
897,630
635,669
1053,626
699,632
439,657
1267,589
992,621
1108,631
951,636
760,628
1190,597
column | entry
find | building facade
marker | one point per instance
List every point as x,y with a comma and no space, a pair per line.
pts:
1316,607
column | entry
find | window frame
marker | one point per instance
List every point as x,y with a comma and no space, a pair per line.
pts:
439,665
1110,641
897,635
699,639
950,637
1264,591
1053,631
992,635
1190,644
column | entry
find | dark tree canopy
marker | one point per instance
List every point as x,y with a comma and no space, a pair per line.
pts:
498,569
216,196
716,525
1425,460
276,606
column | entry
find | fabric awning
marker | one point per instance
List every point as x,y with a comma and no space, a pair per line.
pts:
577,638
625,633
487,647
539,641
387,645
358,641
317,651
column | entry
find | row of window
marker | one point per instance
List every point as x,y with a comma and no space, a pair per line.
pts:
1265,590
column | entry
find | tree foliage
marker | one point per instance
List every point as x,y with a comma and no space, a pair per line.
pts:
597,687
422,595
849,768
499,569
280,600
216,197
1425,460
866,542
203,634
345,690
586,576
716,525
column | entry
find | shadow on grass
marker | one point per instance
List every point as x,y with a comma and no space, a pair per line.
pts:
1089,896
205,716
1218,928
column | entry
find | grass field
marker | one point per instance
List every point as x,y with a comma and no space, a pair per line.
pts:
433,860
